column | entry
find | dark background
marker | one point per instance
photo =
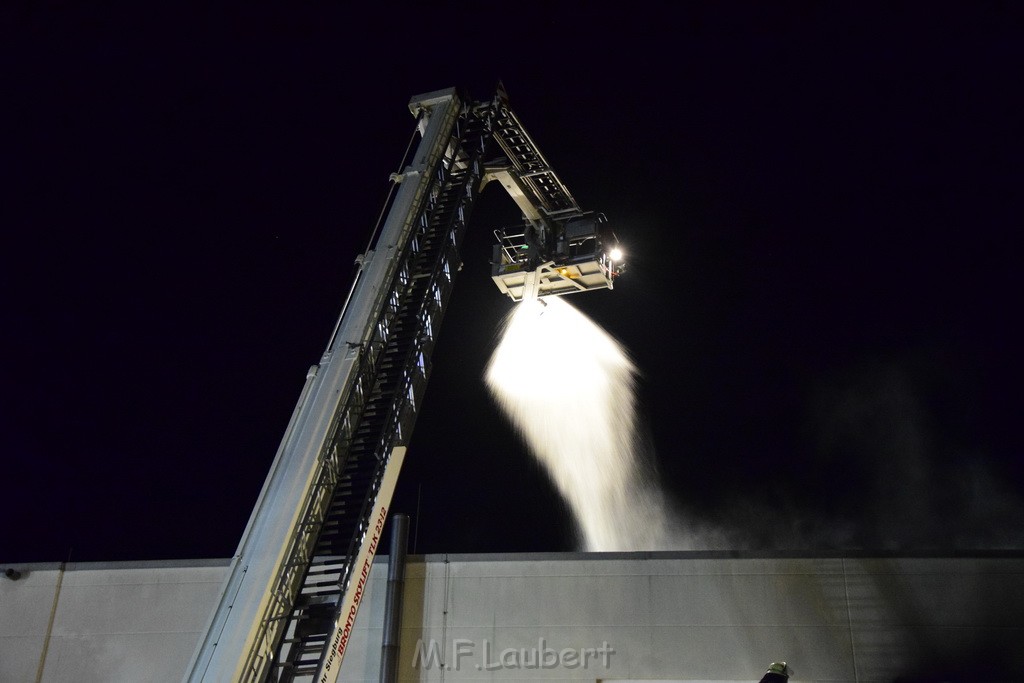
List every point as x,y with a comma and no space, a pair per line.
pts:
821,208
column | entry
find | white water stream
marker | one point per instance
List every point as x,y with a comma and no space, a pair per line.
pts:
569,388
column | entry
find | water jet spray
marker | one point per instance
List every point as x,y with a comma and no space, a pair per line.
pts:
574,405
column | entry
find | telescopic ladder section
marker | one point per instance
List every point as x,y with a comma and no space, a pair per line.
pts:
545,191
302,559
296,580
382,408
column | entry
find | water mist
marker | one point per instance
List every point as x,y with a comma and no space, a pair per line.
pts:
569,389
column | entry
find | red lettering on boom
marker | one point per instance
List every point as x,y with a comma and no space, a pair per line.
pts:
361,584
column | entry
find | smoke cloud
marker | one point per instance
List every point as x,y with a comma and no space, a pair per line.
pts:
880,474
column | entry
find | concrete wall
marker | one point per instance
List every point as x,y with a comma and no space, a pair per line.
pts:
684,617
134,622
657,616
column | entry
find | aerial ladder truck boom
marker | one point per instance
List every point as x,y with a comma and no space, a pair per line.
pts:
294,585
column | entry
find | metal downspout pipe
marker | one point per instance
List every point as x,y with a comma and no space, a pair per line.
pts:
393,603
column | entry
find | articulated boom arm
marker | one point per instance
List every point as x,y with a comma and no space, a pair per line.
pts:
559,248
295,583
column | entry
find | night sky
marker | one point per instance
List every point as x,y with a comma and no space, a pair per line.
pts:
821,209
